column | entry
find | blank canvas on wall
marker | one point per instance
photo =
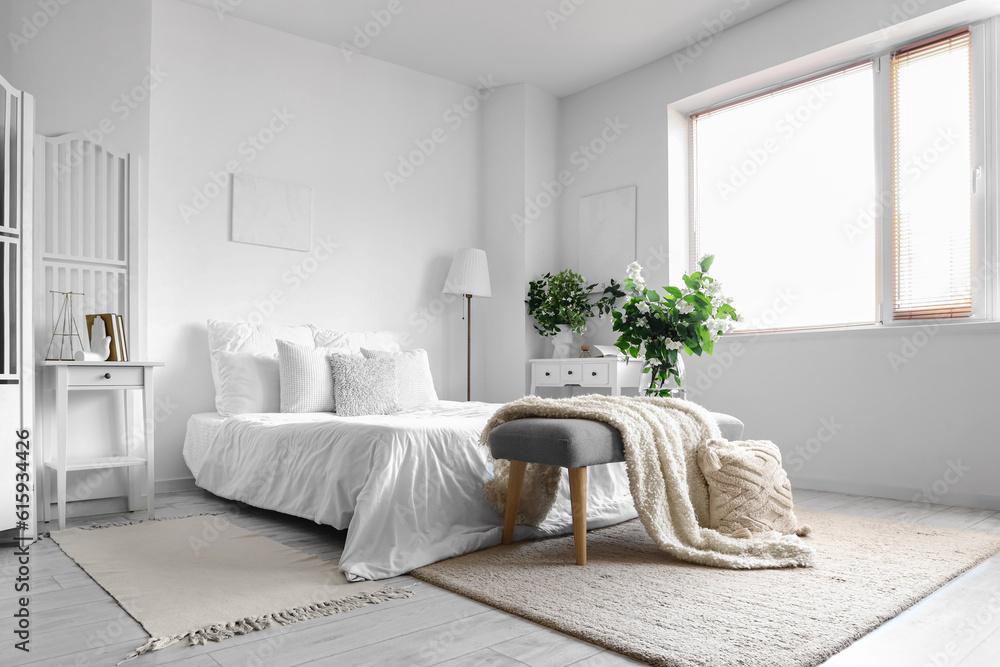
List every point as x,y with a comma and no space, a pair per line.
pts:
607,234
271,213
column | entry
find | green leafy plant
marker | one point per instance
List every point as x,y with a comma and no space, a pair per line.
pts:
656,327
564,298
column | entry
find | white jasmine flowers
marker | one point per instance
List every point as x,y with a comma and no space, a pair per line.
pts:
717,326
673,345
635,273
642,306
685,308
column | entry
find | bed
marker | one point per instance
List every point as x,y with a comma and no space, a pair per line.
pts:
407,487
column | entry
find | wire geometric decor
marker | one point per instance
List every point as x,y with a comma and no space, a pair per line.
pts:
65,331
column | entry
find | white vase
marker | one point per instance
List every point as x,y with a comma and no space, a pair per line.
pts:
562,343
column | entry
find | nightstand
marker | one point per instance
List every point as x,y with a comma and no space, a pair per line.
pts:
592,372
62,377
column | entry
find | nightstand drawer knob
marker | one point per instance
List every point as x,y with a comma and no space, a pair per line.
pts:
547,373
593,374
107,376
569,372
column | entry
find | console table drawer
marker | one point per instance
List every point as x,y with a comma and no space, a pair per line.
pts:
595,374
546,374
571,373
95,376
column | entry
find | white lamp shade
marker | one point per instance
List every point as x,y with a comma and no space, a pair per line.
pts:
469,273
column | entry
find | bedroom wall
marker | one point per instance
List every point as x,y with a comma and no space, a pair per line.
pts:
500,330
847,414
78,59
542,249
520,133
380,254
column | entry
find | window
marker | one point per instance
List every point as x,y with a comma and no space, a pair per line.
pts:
931,184
847,195
775,178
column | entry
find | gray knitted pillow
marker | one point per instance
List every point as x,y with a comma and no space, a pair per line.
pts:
364,386
416,385
305,379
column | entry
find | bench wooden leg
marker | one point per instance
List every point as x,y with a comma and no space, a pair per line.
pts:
578,498
516,480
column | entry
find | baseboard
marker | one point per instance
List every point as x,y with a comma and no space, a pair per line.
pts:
973,500
118,504
171,485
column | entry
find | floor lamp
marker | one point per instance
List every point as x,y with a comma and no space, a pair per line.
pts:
469,275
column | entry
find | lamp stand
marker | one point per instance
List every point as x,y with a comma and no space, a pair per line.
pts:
468,350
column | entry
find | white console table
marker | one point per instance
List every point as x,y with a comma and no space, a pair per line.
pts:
592,372
62,377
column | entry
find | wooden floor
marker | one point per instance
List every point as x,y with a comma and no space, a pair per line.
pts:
74,622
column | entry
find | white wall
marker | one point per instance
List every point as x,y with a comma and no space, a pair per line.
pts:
542,248
351,121
500,329
78,59
519,154
898,431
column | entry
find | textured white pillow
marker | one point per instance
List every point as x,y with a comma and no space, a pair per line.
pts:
748,489
226,336
247,383
364,386
306,380
413,373
355,340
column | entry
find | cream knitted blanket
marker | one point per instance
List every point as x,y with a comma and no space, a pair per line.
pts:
661,438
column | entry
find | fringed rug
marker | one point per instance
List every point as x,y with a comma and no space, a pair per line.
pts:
202,579
634,599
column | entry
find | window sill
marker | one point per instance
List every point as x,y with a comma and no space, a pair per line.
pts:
978,326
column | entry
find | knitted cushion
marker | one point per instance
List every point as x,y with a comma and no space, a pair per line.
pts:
748,489
364,386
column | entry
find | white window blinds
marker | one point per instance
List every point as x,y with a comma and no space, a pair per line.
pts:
932,179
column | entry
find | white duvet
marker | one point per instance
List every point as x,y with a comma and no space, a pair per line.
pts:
407,487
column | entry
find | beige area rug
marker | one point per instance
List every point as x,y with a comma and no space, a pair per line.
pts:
204,579
634,599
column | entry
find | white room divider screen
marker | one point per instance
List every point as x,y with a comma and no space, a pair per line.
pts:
17,114
82,213
84,222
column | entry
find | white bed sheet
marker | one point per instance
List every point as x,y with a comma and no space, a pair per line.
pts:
407,487
201,431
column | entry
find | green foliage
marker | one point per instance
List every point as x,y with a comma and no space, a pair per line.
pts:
657,326
563,298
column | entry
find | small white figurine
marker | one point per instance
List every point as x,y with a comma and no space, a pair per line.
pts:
100,342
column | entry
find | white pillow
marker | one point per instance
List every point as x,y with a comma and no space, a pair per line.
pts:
364,386
247,383
256,339
306,379
413,374
355,340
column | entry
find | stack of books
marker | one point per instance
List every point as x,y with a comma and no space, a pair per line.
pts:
114,326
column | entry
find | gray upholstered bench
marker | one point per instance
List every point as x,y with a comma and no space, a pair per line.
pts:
570,443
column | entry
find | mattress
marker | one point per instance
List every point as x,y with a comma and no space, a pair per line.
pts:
201,431
203,427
